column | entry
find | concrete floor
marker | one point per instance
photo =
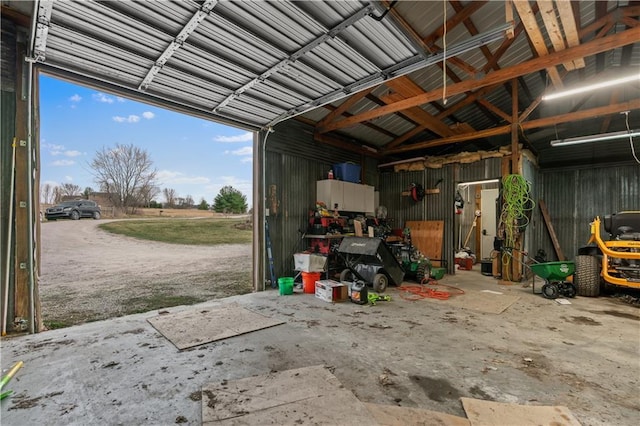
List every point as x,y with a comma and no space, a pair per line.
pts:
122,371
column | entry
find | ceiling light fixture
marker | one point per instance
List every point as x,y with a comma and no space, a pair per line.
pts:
590,87
478,182
596,138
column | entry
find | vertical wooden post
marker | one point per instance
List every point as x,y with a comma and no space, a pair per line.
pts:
21,280
516,261
478,194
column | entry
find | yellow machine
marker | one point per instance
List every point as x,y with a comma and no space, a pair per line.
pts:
616,261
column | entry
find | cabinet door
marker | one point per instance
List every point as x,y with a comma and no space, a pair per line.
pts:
330,192
355,196
369,199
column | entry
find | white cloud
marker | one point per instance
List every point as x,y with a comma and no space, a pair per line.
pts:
69,178
129,119
168,177
245,137
63,163
148,115
119,99
246,160
241,185
75,98
72,153
247,150
101,97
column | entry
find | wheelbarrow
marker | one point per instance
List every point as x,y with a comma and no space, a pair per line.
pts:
555,276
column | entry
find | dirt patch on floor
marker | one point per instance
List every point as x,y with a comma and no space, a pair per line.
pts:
88,274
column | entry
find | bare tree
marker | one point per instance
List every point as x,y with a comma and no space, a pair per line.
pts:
70,189
170,196
148,194
125,172
47,193
188,202
57,195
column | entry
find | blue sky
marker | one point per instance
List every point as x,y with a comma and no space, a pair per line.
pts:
193,156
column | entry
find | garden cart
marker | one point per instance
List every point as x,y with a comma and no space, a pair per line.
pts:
370,260
555,275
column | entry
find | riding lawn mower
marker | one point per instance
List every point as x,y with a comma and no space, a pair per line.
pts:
616,261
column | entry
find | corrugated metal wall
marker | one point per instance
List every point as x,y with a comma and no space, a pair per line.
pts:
575,197
438,206
294,162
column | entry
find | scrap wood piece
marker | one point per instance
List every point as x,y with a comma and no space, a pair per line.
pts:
392,415
552,232
427,236
299,396
490,413
198,326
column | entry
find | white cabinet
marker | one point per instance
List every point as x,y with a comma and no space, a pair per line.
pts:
331,192
350,197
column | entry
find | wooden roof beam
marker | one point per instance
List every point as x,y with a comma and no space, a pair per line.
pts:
534,124
461,15
420,116
601,11
585,49
570,27
548,13
528,18
344,106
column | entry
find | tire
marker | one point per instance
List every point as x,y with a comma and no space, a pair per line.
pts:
587,276
423,271
380,282
96,215
346,275
550,291
75,215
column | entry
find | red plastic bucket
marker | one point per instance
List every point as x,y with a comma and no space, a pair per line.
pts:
309,281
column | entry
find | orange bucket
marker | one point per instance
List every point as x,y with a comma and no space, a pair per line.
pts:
309,281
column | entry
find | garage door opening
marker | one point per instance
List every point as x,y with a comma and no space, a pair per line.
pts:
182,236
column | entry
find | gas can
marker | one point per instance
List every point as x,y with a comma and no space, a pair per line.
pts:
359,293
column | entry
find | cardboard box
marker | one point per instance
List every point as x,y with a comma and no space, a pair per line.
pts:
307,262
331,291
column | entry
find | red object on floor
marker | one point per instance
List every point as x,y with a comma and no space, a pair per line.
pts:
465,264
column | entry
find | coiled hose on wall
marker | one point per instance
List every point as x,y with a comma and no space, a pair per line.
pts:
514,217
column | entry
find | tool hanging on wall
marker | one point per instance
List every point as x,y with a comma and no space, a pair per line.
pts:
273,200
417,192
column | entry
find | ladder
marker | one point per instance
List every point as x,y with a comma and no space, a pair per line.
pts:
270,255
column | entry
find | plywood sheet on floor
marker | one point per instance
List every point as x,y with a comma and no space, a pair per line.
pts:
199,326
484,302
392,415
309,395
427,236
489,413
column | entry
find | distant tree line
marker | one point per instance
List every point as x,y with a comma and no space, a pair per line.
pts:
125,174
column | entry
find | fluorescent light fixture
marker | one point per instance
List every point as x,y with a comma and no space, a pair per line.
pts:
596,138
590,87
478,182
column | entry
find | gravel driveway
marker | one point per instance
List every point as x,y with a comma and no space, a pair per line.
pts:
89,274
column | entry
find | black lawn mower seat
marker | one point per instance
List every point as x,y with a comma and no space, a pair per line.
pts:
622,223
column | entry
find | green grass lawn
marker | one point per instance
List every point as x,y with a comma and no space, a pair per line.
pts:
183,231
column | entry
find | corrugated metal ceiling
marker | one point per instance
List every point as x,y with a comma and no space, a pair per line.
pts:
251,64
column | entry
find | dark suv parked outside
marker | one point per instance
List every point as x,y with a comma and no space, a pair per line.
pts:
73,210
